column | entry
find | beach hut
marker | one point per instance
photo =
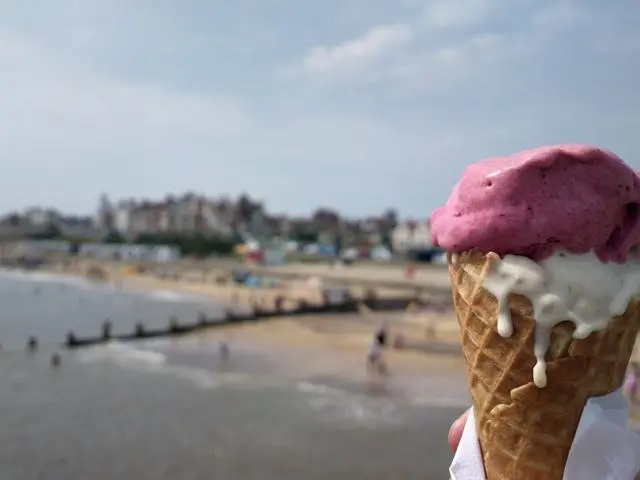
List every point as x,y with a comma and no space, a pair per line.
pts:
255,256
240,250
380,254
274,253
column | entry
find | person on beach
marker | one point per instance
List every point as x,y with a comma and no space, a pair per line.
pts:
375,360
223,350
382,336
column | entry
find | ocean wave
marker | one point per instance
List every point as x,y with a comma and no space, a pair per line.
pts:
142,359
125,354
371,410
318,388
342,405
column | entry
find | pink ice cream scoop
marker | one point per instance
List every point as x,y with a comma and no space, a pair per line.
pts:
573,198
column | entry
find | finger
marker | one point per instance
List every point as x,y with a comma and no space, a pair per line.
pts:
455,432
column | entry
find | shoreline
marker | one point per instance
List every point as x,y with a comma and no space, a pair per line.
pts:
345,334
331,347
416,325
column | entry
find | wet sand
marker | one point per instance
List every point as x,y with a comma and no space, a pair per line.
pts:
333,350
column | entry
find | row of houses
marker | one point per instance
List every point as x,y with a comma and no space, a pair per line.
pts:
189,213
156,253
243,217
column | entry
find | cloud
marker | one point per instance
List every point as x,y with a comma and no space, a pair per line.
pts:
78,125
456,42
354,56
423,50
143,100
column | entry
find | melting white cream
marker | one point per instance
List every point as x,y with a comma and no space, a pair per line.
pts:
578,288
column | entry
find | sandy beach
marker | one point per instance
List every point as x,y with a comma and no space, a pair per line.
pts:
344,337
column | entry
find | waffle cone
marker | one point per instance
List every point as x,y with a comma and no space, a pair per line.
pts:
525,432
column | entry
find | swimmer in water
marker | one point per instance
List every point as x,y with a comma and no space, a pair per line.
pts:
224,350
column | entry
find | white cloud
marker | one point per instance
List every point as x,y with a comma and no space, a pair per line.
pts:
354,56
413,51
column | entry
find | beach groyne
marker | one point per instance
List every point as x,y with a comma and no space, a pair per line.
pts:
230,317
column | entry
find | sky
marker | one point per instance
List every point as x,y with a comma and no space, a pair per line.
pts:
358,105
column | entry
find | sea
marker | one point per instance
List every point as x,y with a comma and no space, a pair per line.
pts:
172,409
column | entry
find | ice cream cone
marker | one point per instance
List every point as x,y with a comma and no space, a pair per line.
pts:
525,432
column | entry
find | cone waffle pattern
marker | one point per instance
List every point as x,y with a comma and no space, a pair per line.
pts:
525,432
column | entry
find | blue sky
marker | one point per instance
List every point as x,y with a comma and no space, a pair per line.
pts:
356,104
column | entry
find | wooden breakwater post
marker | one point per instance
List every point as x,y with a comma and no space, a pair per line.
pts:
278,304
303,306
174,326
258,312
139,330
106,330
72,341
203,321
256,309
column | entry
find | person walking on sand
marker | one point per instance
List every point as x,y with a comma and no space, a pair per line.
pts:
375,362
382,336
375,358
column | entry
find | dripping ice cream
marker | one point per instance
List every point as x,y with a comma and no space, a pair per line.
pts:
564,219
543,256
